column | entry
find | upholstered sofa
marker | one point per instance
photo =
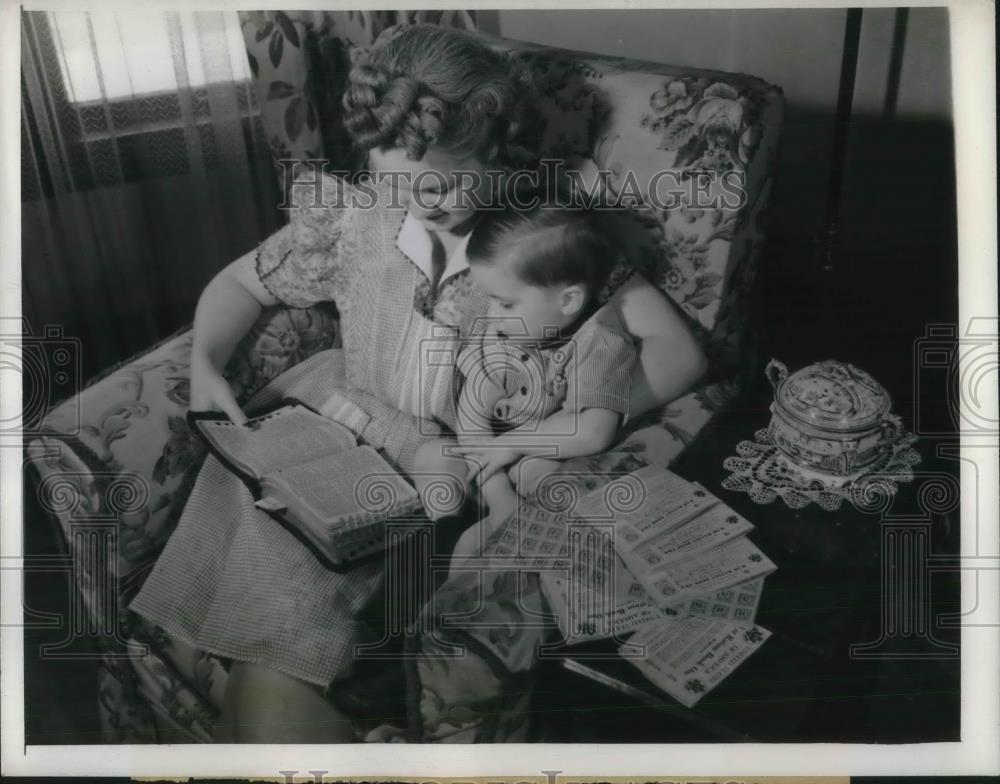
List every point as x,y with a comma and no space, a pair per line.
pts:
113,466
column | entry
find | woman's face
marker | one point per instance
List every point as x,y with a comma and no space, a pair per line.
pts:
441,190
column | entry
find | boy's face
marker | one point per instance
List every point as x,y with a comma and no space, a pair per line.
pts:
522,312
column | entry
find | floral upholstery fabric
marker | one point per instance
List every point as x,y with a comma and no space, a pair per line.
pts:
121,451
300,59
649,129
122,446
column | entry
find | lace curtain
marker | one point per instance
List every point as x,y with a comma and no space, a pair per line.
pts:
145,169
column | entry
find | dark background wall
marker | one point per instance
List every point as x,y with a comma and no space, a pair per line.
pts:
800,50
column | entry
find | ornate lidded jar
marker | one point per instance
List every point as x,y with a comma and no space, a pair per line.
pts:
831,417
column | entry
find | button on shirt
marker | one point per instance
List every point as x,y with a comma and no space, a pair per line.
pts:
592,368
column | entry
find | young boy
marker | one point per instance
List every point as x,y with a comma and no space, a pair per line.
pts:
549,376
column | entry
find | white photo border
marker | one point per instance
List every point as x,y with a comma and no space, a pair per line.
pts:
973,89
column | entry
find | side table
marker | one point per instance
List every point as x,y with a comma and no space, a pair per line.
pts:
829,673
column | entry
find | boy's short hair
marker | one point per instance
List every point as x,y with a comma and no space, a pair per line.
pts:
556,245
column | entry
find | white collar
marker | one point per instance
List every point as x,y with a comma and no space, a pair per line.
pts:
414,241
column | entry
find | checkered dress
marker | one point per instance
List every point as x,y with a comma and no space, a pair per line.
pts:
232,581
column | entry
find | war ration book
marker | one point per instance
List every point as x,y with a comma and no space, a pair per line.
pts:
616,604
532,538
689,656
722,567
599,598
737,604
714,527
645,503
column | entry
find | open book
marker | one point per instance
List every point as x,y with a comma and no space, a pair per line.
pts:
309,473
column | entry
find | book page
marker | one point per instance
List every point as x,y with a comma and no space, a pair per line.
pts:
342,489
688,657
646,503
284,437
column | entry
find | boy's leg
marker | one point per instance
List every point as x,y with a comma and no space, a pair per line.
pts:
499,495
529,473
440,478
373,686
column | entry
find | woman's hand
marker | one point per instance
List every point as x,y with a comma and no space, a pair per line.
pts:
211,392
227,308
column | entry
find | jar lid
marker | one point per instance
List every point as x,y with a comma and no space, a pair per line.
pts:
832,395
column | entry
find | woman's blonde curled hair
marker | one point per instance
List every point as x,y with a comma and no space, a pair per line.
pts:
424,85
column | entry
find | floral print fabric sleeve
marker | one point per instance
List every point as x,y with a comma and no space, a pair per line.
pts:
304,262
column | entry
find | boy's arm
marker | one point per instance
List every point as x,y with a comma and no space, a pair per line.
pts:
481,377
597,398
474,415
568,433
671,361
560,436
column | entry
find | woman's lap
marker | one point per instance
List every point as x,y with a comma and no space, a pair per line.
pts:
234,582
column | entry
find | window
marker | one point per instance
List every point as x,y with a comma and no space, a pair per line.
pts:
135,94
136,53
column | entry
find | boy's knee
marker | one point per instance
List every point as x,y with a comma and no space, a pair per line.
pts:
527,474
434,462
439,479
431,451
469,544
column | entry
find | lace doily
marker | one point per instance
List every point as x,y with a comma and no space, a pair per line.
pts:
764,473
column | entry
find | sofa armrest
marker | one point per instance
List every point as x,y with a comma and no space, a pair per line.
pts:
121,449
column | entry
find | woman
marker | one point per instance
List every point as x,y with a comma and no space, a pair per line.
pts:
427,104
